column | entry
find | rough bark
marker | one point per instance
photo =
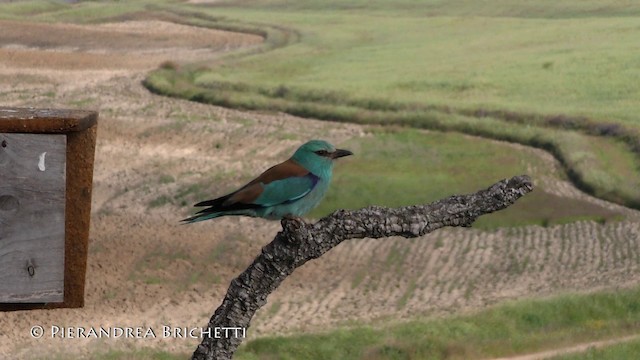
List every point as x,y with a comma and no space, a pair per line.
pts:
300,242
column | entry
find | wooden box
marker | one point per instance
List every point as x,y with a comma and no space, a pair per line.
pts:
46,172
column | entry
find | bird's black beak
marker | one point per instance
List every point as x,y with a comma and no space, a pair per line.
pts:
340,153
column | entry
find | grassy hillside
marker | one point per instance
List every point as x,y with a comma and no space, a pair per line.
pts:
537,65
560,77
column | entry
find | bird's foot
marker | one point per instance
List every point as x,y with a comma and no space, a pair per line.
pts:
292,220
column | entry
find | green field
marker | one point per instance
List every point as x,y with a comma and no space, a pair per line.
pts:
519,327
622,351
383,173
560,77
459,58
59,11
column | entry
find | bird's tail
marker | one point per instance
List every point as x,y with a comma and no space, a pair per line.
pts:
201,217
218,207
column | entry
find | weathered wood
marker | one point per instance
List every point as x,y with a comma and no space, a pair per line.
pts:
80,128
32,217
45,121
80,155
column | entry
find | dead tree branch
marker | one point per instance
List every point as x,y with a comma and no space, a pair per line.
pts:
299,242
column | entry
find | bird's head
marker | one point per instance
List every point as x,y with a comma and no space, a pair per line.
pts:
318,155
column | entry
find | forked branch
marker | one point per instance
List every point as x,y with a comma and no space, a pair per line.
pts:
299,242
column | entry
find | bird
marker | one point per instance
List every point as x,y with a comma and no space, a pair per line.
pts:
287,190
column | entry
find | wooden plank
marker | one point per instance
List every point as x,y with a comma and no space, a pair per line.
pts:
45,121
32,217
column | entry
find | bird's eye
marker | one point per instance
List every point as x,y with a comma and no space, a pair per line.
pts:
322,152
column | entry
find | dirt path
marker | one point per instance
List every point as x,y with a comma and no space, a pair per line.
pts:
572,349
156,154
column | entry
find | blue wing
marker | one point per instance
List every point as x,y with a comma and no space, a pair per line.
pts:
286,190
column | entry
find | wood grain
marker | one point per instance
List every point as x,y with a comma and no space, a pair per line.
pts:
32,217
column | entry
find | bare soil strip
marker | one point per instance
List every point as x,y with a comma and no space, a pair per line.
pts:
132,45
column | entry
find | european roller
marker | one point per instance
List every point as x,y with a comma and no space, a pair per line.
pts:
289,189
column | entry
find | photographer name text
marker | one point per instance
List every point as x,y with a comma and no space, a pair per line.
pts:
136,332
